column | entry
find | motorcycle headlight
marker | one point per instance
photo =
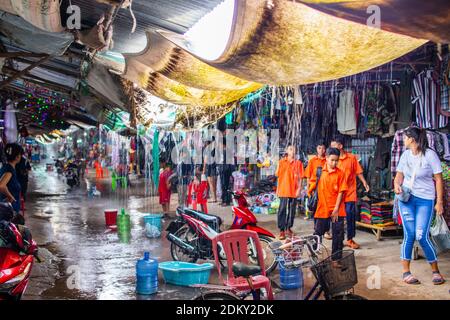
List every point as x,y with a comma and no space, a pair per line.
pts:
11,283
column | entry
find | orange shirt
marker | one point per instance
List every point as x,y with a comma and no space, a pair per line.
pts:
289,174
311,169
331,183
351,167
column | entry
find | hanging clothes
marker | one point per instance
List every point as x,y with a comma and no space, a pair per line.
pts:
405,108
445,85
346,113
425,96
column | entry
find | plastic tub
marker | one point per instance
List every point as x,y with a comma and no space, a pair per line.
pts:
153,220
111,217
185,273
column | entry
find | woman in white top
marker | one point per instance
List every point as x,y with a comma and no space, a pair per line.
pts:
420,171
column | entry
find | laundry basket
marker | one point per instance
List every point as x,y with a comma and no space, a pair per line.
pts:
153,225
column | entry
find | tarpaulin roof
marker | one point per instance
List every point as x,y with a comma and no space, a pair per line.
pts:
416,18
18,32
164,57
287,42
43,14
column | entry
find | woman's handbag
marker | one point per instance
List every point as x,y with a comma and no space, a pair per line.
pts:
406,189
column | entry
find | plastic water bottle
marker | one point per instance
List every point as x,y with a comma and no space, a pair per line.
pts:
123,220
291,278
147,275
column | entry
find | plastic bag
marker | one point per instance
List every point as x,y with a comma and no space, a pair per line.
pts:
440,234
152,231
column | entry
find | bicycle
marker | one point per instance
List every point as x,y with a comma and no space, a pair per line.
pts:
335,275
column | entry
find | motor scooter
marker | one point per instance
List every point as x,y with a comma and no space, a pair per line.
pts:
192,232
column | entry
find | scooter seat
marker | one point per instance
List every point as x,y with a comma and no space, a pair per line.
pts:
245,270
209,219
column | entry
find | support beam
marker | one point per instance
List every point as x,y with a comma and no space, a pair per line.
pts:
51,68
23,72
21,54
40,81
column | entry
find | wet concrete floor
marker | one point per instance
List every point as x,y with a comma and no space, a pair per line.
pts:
86,260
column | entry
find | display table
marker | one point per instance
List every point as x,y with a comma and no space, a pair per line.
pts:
377,230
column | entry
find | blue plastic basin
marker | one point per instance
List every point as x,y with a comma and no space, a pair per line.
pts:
185,273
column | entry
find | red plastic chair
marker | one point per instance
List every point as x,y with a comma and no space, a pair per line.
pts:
235,245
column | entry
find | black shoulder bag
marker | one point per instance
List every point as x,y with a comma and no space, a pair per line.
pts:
313,200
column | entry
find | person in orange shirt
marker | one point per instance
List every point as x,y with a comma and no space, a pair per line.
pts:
331,189
318,161
352,169
290,174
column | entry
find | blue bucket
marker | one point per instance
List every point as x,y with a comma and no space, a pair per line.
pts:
185,273
153,225
290,278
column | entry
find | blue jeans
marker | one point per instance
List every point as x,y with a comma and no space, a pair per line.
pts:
350,210
416,215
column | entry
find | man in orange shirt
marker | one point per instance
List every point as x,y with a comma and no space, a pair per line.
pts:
290,174
352,169
318,161
331,189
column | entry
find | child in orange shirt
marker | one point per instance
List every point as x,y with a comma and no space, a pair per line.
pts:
198,193
330,207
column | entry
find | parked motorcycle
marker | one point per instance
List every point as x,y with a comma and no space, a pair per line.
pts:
17,253
59,167
72,175
191,234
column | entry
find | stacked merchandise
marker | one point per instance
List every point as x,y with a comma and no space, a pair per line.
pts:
366,216
267,203
263,196
377,213
382,214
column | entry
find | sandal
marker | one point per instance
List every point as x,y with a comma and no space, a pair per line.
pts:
409,278
437,278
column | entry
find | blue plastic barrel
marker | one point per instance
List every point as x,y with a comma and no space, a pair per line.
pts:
153,225
147,275
291,278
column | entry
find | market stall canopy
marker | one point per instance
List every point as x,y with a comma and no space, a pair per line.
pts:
105,84
177,93
16,31
285,42
43,14
166,58
416,18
